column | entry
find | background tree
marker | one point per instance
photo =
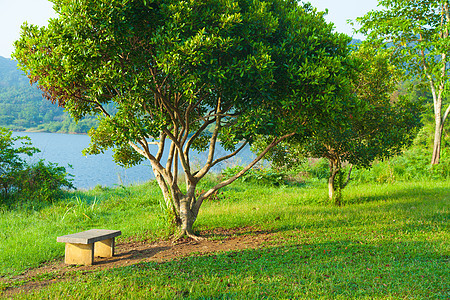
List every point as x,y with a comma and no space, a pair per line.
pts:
170,70
417,33
22,181
367,124
11,150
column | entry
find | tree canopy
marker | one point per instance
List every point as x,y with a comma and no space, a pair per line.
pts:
158,72
369,122
417,34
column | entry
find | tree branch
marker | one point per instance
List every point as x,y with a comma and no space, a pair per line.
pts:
161,144
199,176
212,144
447,112
170,157
348,176
183,158
155,163
205,195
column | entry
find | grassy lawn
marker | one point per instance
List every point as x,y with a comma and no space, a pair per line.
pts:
387,242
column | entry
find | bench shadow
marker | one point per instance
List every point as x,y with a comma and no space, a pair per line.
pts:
130,256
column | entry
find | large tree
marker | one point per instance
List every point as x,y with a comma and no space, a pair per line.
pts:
417,33
186,75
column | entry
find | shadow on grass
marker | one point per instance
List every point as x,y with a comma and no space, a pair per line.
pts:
418,193
335,269
407,209
132,256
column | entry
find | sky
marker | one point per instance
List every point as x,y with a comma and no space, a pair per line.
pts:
14,12
339,11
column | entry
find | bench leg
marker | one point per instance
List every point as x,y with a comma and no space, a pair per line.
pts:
79,254
104,248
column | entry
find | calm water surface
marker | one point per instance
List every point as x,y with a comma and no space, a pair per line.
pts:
92,170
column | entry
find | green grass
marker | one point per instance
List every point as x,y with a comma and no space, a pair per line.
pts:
28,237
387,242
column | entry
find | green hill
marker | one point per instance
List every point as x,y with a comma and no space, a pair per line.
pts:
22,106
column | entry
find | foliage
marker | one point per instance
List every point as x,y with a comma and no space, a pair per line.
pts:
11,161
365,124
261,175
413,164
42,182
283,157
417,35
22,182
173,69
425,136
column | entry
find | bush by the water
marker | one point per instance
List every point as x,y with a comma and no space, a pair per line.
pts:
42,181
24,182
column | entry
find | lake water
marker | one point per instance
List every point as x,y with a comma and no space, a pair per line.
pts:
92,170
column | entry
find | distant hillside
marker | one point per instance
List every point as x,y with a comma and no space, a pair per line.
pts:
22,106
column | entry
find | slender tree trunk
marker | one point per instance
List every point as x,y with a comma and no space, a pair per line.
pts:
331,188
437,95
335,185
437,140
332,180
169,203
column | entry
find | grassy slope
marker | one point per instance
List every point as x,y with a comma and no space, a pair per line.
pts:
390,241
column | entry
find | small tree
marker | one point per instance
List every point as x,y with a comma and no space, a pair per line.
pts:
163,72
19,180
11,162
417,34
367,124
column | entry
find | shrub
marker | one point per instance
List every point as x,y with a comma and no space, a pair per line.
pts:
11,162
264,176
413,164
42,182
21,182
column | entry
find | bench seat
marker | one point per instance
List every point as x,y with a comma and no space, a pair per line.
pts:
81,247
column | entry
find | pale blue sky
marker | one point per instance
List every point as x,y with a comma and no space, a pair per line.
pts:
14,12
339,11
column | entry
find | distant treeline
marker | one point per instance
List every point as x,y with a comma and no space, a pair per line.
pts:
22,106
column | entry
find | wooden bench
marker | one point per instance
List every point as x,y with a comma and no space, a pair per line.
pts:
81,247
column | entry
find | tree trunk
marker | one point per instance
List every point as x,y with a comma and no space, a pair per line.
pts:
437,95
187,217
331,186
168,205
334,188
334,170
437,140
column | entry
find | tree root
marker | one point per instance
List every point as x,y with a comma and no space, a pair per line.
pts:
188,235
